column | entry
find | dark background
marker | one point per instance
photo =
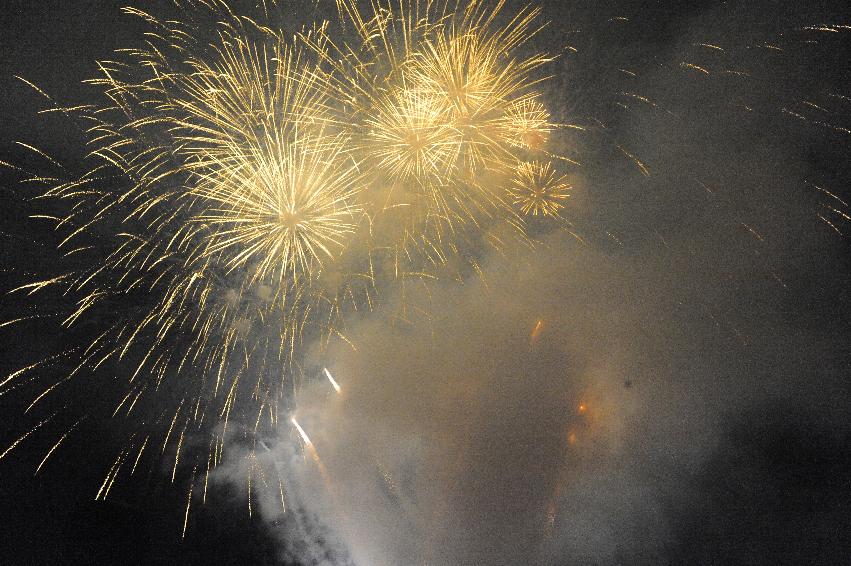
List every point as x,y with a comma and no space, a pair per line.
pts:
780,491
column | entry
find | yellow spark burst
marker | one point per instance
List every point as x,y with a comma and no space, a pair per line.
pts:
528,124
441,102
285,209
409,137
538,189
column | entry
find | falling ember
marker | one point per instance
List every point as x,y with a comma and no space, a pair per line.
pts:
552,511
188,503
311,449
539,327
550,523
301,431
332,380
56,445
22,438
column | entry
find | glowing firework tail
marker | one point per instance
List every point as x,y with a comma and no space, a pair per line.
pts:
334,383
300,430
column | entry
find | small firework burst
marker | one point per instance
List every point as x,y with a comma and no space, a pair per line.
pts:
538,189
529,124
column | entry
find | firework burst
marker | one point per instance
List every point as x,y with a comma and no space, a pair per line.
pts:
537,189
252,190
441,105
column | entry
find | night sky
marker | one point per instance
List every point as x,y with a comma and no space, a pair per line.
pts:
723,358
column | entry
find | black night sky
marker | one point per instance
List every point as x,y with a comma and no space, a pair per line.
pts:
737,449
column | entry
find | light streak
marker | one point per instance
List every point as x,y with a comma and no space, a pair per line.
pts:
301,432
332,380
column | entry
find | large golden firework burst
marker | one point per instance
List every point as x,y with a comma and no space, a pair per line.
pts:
441,104
253,188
